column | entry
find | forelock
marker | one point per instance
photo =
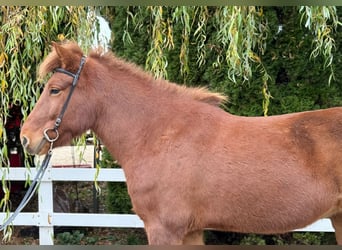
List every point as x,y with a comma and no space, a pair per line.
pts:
51,62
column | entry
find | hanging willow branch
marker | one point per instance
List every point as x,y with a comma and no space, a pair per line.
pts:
241,32
183,14
26,33
201,33
322,21
161,38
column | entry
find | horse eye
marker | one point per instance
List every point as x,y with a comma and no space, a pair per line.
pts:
54,91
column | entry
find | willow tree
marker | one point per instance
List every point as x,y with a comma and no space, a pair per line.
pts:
25,38
232,40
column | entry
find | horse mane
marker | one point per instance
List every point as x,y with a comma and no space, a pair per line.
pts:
201,94
53,61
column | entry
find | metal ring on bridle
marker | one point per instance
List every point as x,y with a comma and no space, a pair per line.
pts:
47,137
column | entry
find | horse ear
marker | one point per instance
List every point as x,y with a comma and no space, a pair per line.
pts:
66,55
61,52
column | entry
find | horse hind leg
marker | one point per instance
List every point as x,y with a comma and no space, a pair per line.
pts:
337,224
194,238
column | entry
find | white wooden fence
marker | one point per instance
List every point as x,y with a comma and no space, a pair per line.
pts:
45,218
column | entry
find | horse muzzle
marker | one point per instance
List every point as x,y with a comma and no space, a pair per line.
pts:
43,144
34,148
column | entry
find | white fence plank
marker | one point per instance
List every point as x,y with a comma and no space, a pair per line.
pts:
100,220
46,219
68,174
76,220
24,219
322,225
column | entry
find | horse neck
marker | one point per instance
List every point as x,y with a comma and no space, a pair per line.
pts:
125,109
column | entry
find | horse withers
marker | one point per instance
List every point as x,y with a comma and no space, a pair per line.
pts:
190,165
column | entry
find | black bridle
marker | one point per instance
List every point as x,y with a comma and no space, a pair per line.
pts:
40,173
66,103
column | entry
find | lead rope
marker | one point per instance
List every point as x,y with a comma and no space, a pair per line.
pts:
32,189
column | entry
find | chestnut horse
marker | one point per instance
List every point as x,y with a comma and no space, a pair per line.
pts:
190,165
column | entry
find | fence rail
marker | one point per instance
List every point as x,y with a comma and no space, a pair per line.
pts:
46,219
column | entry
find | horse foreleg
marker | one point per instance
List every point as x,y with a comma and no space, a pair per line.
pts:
337,224
194,238
158,235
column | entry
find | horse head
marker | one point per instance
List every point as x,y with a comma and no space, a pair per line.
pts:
43,125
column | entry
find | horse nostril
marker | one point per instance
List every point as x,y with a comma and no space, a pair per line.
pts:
25,141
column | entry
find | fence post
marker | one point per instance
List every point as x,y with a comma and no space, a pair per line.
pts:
45,209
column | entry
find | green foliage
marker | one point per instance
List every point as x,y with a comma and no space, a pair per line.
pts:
292,238
253,239
67,238
133,239
273,70
101,237
322,20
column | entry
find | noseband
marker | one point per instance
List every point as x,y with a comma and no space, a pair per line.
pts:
72,88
